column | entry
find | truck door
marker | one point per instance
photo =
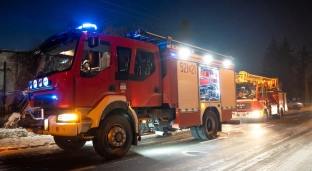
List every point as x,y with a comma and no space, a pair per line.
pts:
228,94
145,79
92,82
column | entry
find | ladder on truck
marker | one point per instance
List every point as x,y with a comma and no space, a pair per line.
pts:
245,77
167,42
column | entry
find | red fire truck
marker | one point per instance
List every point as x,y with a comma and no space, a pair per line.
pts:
258,97
112,90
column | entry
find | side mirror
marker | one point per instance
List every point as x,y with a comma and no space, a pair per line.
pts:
94,59
93,41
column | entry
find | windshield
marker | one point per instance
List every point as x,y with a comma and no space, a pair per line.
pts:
57,54
245,91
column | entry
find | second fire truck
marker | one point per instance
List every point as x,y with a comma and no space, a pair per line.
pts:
113,90
258,97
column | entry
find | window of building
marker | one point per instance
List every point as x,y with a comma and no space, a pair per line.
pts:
144,63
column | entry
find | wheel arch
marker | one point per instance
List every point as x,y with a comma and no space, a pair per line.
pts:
114,104
121,108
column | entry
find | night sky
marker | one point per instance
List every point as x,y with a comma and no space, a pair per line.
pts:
239,28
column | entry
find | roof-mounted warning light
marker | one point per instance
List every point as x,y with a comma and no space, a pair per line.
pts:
88,27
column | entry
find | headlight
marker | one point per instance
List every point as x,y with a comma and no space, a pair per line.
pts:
45,81
30,85
35,84
68,117
40,82
256,113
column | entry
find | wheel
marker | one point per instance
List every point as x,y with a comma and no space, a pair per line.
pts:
297,107
194,132
114,137
209,128
69,143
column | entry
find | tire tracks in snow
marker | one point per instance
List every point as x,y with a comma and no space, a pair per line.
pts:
247,158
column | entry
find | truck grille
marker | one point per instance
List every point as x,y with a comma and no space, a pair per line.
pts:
244,106
43,101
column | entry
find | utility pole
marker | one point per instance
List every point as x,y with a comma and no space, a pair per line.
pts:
4,86
306,82
305,59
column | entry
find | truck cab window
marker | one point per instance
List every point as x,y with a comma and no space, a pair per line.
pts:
104,59
144,63
124,56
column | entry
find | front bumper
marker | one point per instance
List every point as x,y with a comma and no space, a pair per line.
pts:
51,127
247,115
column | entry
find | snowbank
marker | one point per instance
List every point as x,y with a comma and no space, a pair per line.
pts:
13,133
19,138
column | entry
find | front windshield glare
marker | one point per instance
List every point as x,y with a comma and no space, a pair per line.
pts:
245,91
57,57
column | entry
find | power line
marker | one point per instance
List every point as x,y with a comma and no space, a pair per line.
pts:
113,10
143,7
148,21
131,10
137,5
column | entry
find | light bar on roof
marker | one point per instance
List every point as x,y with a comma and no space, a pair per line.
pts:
207,59
87,26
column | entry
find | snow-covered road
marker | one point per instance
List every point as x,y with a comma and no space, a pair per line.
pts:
279,144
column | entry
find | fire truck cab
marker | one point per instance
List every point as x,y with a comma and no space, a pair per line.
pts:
258,97
113,90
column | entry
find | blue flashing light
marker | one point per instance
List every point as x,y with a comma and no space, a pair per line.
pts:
172,54
54,97
87,26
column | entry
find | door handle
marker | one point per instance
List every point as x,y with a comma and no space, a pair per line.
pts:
156,90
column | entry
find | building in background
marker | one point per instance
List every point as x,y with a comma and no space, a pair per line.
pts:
13,76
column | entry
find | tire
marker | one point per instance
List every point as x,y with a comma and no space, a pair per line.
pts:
114,137
69,143
209,128
194,132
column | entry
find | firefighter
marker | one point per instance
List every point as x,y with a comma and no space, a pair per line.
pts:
240,95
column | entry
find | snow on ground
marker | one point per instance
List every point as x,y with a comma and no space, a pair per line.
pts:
19,138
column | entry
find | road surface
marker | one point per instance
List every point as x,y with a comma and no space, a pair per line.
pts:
279,144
